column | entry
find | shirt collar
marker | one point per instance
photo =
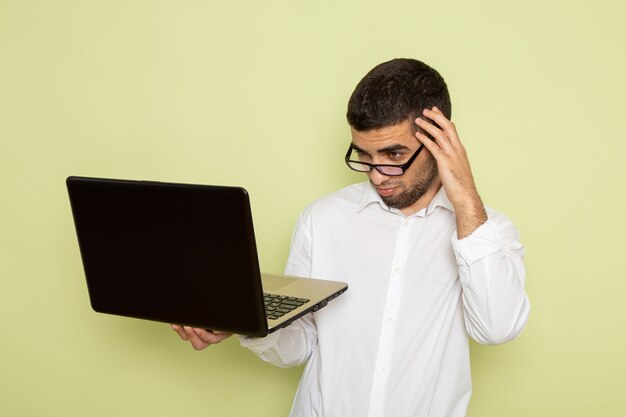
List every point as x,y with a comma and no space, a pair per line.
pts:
440,200
370,196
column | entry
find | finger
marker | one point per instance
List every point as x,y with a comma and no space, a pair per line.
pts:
444,123
431,145
438,116
180,331
452,133
438,134
196,342
211,337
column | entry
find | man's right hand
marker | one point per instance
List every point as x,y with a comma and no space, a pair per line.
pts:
199,338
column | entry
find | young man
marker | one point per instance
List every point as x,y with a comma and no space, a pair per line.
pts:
427,264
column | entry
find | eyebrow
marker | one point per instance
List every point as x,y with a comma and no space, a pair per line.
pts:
391,148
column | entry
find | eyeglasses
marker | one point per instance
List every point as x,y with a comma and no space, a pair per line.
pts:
385,169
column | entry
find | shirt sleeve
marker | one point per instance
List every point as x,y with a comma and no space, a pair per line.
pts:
492,275
294,344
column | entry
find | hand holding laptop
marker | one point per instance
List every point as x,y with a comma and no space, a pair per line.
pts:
199,338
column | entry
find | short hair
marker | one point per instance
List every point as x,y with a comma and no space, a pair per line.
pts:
396,91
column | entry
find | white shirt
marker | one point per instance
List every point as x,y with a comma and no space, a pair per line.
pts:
396,343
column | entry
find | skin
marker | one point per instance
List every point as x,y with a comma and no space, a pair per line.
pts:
454,171
199,338
445,164
394,145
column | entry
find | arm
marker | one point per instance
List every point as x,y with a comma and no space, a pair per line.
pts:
289,346
488,251
495,305
294,344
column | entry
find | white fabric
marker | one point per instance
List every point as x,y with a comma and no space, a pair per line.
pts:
396,343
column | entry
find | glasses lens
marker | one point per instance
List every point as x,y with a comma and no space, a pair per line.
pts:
390,170
357,166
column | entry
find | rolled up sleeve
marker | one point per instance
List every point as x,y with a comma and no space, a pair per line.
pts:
492,275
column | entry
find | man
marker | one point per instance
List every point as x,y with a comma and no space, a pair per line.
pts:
427,264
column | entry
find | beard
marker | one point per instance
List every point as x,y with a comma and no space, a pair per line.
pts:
416,189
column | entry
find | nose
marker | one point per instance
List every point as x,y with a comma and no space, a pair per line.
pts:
376,177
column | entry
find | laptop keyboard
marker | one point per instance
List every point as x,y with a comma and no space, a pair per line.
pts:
277,306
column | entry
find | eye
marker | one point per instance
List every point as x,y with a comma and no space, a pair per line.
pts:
395,156
362,155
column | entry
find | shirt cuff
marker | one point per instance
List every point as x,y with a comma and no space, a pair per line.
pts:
483,241
260,345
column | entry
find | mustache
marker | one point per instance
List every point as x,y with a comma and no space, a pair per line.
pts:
386,183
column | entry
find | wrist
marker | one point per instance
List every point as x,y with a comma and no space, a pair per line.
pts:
470,202
470,214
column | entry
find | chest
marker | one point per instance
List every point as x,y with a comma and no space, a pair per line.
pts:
377,253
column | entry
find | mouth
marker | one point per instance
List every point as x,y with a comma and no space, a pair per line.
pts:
385,192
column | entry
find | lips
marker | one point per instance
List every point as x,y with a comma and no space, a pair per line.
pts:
385,192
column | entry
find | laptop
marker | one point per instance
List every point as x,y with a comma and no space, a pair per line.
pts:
183,254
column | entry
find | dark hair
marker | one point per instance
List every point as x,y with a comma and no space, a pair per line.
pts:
396,91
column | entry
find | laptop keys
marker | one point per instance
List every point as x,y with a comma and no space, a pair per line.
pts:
277,306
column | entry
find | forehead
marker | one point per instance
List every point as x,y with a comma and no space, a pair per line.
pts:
371,140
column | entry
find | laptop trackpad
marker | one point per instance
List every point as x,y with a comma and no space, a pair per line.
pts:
275,282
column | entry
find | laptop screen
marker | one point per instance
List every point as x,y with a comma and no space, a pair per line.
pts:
169,252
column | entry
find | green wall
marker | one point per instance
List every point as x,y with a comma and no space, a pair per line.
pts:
254,93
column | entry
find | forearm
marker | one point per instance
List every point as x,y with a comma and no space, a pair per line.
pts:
294,344
287,347
470,215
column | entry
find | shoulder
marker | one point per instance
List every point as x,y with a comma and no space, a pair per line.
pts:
343,200
332,209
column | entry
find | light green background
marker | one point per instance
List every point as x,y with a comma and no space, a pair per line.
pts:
254,94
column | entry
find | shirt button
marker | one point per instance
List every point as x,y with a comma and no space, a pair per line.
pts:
407,223
388,320
398,270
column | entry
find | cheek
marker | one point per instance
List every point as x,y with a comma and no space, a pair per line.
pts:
411,177
421,168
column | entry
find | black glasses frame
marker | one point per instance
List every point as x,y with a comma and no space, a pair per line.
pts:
403,167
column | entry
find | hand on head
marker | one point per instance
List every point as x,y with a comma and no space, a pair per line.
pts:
454,170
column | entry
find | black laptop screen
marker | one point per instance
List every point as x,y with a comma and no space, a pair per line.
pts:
168,252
